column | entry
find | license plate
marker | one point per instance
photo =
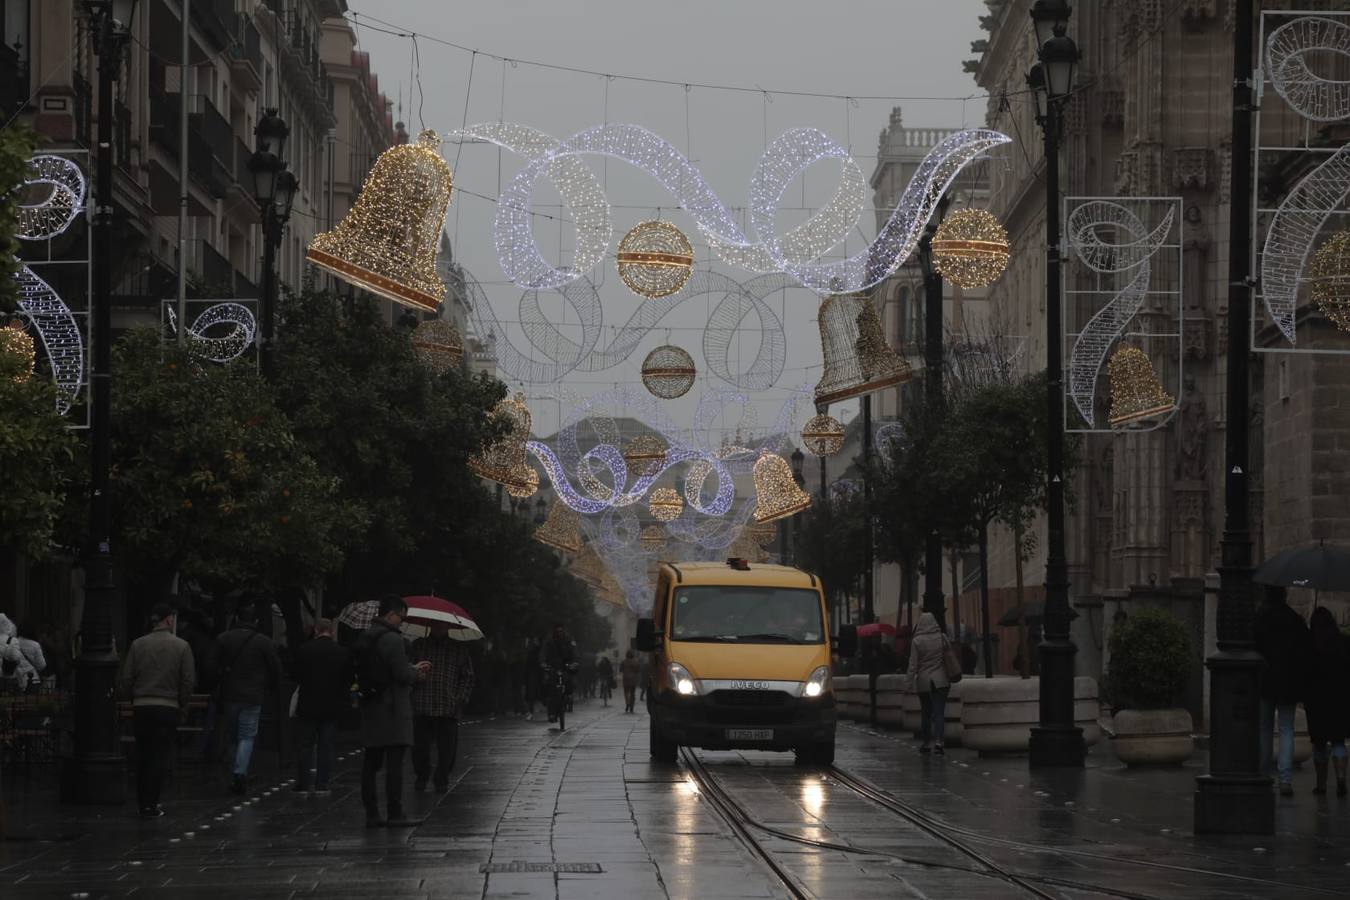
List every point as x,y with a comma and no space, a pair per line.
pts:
749,734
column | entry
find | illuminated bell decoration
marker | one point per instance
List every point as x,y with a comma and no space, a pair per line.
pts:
655,259
823,435
561,530
1330,278
1136,393
668,372
777,494
762,533
387,243
527,488
653,538
16,344
644,453
857,359
665,504
438,345
970,248
504,460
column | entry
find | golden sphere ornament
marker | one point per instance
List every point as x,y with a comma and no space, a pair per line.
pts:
668,372
18,354
438,345
1330,278
823,435
655,259
643,453
970,248
653,538
665,504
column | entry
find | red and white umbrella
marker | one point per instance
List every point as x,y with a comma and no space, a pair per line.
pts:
424,612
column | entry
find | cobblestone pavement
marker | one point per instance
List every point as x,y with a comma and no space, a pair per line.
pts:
534,813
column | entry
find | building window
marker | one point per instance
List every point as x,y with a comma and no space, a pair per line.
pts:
902,297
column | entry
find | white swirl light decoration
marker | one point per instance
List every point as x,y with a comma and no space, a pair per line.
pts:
610,456
220,348
1101,331
788,156
1287,50
56,212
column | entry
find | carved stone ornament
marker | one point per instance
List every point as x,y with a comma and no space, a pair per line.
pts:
1195,12
1112,104
1195,335
1225,171
1193,168
1192,434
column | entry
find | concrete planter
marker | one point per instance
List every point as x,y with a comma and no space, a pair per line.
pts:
860,695
997,714
890,696
1153,737
912,713
843,697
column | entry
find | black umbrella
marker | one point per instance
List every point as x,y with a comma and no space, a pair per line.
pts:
1317,568
1032,612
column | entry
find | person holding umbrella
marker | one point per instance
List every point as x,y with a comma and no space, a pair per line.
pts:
1281,638
1325,701
437,702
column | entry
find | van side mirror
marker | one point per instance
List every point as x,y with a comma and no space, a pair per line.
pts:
847,642
646,635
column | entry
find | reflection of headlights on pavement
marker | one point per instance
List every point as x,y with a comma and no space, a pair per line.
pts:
684,683
816,684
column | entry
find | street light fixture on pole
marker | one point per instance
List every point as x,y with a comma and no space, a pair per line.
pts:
95,773
274,190
1055,740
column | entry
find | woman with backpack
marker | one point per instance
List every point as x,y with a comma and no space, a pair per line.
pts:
928,667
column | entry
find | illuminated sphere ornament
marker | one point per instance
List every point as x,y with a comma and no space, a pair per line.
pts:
504,460
18,355
1136,392
643,454
970,248
777,494
823,435
653,539
387,243
665,504
655,259
438,345
668,372
857,359
1330,277
561,530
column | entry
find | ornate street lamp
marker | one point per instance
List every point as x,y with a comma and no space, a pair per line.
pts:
1055,740
274,190
95,773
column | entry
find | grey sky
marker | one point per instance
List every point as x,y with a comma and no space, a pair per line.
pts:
902,48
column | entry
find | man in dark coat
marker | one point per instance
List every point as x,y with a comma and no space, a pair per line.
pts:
1282,640
386,679
323,670
249,669
158,677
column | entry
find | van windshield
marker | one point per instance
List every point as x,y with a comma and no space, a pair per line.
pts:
749,615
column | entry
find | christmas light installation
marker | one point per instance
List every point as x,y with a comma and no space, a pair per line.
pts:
438,345
665,504
1290,48
561,529
777,493
786,158
823,435
1331,279
857,359
1136,392
205,335
655,259
642,453
54,213
970,248
503,461
16,344
668,372
387,243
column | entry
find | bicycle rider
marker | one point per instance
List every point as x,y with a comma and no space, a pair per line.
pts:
559,653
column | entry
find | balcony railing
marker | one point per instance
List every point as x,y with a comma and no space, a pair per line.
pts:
247,46
215,18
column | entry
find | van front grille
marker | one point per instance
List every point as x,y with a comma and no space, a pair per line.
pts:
750,698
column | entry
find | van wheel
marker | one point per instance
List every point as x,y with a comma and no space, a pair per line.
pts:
661,749
821,754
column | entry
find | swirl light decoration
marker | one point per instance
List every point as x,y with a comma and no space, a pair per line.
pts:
238,324
970,248
668,372
1331,279
1091,346
655,259
763,249
1302,214
38,303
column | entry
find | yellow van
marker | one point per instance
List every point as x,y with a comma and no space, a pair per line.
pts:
740,659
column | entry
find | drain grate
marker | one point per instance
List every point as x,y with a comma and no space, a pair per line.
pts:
518,865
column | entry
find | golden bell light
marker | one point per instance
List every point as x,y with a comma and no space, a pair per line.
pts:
503,461
1136,392
561,529
524,486
387,243
777,495
857,359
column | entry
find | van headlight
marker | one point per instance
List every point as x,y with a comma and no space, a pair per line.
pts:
817,683
684,684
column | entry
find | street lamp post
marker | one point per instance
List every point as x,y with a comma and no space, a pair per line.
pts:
1234,797
798,475
95,773
274,189
932,333
1055,740
868,607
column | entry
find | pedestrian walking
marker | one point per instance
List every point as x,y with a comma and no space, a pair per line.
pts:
17,670
533,676
927,666
630,670
1325,699
323,669
386,678
437,703
604,671
1282,640
249,669
158,675
644,675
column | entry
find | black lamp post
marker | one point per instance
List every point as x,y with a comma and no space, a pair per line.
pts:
798,475
932,346
95,773
1234,797
274,190
1056,740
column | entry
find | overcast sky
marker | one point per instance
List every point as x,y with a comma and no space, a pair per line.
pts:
899,48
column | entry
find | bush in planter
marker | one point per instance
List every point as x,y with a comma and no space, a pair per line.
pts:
1150,661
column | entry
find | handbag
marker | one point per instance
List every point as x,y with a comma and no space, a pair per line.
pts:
951,662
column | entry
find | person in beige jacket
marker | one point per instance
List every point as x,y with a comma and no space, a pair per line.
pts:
158,676
930,679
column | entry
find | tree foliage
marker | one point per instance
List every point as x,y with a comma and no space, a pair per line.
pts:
833,541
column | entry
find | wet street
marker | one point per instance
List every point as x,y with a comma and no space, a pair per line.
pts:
534,813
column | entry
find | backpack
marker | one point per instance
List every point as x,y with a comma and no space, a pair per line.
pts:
372,676
12,655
